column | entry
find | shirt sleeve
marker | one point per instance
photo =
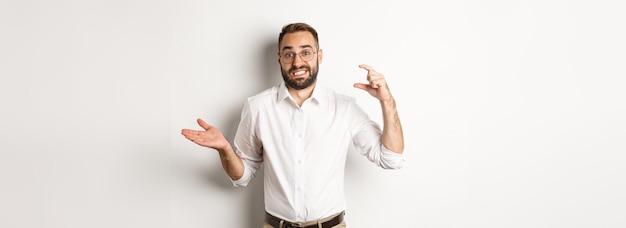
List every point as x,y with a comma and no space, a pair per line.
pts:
367,139
247,146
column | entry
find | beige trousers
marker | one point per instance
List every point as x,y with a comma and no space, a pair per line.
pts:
341,225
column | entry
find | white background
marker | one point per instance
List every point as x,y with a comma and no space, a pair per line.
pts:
513,111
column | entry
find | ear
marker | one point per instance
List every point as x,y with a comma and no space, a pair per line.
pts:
278,57
320,56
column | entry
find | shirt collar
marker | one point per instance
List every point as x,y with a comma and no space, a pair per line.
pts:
319,95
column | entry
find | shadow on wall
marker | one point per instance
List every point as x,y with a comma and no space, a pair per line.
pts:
269,63
214,174
270,73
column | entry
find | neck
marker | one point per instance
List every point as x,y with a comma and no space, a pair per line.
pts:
300,95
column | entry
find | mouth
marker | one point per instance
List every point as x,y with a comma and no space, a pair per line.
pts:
299,73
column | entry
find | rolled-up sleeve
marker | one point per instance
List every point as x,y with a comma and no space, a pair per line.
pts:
245,179
368,141
390,159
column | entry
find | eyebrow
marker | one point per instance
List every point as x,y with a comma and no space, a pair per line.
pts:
301,46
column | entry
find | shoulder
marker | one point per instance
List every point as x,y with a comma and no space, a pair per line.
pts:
267,95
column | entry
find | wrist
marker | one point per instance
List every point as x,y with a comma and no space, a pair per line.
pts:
388,102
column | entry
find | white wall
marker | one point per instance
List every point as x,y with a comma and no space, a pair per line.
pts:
513,111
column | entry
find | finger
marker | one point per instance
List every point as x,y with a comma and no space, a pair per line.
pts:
375,83
373,75
366,67
191,137
361,86
198,141
203,124
187,131
190,133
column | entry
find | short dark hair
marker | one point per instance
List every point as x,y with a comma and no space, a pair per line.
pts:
298,27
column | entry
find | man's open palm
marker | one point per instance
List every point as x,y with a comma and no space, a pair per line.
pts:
209,137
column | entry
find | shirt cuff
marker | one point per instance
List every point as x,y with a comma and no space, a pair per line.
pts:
244,180
390,159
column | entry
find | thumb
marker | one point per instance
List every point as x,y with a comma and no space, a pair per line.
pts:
203,124
361,86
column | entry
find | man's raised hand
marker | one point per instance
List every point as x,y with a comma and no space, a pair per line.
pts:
377,86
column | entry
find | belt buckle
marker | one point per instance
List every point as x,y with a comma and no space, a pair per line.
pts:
290,225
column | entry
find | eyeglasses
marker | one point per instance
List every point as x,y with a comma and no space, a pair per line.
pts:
306,55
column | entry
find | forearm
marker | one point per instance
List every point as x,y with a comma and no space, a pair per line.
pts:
231,162
392,137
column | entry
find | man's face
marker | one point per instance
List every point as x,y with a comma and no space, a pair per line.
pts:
299,59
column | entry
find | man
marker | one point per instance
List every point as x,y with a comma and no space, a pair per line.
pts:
301,132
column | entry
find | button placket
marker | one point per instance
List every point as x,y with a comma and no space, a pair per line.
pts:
299,128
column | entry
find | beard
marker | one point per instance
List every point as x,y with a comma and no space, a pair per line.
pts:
300,84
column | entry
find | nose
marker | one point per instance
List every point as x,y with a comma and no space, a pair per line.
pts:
298,61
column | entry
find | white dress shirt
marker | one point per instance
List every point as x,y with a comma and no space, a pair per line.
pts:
303,149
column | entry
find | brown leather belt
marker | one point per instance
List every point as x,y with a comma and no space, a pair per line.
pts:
275,222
